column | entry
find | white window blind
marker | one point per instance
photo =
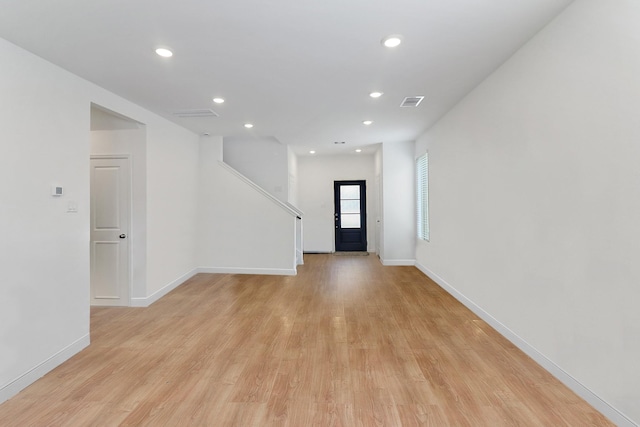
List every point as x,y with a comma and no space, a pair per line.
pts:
422,196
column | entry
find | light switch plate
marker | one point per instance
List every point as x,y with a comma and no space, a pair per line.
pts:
72,207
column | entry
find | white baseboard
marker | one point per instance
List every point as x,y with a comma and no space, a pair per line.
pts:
147,301
398,262
593,399
14,387
236,270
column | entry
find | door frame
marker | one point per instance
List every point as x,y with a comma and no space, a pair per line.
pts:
129,215
363,211
378,223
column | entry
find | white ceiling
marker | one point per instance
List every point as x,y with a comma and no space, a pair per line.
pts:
299,70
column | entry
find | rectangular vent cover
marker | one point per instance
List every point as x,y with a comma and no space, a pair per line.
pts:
412,101
195,113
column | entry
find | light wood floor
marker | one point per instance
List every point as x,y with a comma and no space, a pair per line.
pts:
347,342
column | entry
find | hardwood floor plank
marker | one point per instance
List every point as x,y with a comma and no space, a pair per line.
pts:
419,415
372,408
256,381
346,342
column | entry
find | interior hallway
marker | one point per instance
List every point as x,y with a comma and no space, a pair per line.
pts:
346,342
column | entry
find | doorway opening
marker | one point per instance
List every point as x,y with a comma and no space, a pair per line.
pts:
118,208
350,199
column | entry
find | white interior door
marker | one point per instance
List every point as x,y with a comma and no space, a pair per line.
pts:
110,216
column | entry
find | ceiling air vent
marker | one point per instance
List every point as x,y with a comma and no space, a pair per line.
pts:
195,113
412,101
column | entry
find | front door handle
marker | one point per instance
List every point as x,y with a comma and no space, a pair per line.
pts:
123,236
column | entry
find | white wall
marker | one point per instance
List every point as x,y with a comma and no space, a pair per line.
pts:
172,207
44,295
132,142
292,159
316,175
44,252
535,200
240,229
264,161
399,211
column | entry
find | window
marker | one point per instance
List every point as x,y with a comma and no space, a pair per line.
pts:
422,196
350,206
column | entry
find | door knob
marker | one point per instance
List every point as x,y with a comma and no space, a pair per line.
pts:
122,236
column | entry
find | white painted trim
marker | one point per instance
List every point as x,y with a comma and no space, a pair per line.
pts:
295,209
238,270
398,262
147,301
14,387
289,208
111,156
593,399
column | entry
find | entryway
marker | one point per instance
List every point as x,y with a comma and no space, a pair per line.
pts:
350,215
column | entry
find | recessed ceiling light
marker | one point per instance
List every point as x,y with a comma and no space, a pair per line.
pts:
375,94
164,52
358,151
312,152
218,100
391,41
367,122
248,125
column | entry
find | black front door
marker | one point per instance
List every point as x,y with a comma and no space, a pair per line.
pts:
350,215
